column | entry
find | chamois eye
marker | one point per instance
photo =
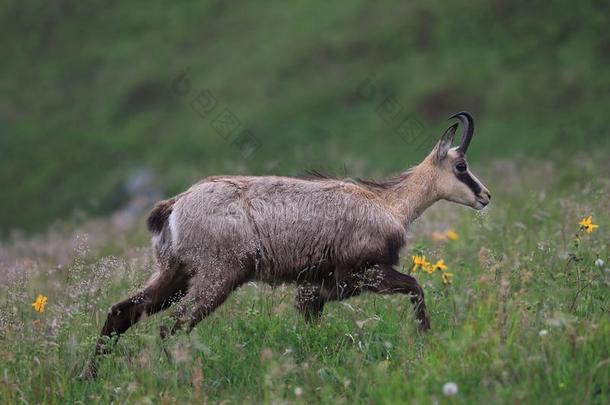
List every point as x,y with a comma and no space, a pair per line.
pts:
461,167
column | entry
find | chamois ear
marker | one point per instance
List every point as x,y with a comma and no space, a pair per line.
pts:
443,146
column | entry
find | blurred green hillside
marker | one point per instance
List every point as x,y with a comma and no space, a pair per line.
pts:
91,92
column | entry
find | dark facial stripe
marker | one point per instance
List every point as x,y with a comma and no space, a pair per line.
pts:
467,179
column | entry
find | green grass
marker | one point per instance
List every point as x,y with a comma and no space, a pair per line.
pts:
86,100
513,279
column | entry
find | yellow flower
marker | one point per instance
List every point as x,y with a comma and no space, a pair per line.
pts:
452,235
440,265
587,224
447,277
429,268
40,303
419,261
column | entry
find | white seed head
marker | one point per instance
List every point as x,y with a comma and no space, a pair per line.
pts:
543,332
599,263
450,389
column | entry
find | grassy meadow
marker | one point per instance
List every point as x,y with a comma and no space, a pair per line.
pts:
524,321
107,106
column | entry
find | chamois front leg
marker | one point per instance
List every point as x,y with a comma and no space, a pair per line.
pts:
310,299
390,281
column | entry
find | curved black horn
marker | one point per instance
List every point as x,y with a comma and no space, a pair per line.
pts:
468,124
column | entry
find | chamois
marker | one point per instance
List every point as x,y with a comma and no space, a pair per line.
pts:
332,238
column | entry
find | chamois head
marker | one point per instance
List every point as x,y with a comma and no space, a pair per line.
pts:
453,179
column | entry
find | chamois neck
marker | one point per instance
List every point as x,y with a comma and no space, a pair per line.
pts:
413,194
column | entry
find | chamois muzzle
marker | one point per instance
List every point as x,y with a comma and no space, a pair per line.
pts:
468,124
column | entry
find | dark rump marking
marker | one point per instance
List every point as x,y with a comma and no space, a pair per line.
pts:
469,181
159,214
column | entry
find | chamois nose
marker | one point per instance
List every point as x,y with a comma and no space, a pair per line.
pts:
484,198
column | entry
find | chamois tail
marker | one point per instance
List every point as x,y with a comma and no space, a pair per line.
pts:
159,214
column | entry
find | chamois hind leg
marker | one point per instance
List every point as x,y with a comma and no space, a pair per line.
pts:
386,280
161,292
210,288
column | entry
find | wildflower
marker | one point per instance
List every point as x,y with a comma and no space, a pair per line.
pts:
429,268
450,389
452,235
599,263
40,303
587,224
298,391
440,265
419,261
446,276
543,333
